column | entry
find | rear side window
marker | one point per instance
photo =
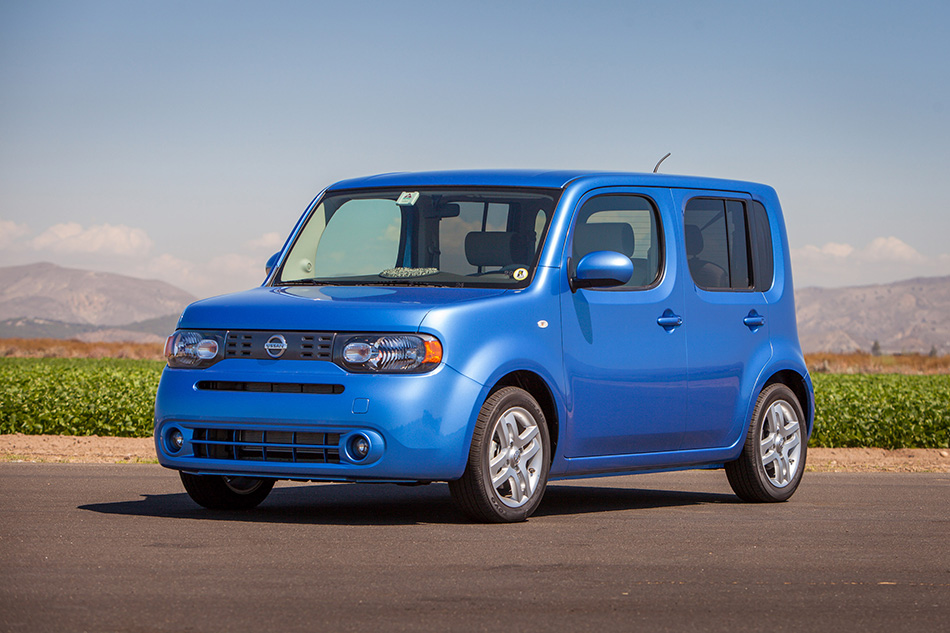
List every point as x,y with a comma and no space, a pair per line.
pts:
623,224
718,244
762,248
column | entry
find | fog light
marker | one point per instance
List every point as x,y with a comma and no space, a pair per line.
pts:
360,447
175,441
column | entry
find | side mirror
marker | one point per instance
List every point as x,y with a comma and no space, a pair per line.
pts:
271,262
602,269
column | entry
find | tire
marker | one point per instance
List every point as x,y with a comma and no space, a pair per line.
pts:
217,492
508,462
772,461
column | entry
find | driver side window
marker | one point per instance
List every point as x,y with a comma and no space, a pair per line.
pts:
624,224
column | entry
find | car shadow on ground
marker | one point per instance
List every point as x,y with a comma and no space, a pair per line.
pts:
387,504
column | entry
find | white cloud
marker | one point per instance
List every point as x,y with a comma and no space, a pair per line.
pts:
830,249
883,260
230,272
891,249
270,242
106,239
174,270
237,272
11,232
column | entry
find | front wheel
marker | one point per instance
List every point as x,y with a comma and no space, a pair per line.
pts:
772,461
218,492
508,461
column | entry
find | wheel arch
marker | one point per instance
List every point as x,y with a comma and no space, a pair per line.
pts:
540,391
800,387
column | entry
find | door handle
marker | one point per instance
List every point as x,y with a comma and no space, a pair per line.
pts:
668,321
754,320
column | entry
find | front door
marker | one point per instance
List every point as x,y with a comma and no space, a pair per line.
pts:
624,353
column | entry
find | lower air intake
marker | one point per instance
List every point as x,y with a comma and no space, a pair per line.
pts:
267,446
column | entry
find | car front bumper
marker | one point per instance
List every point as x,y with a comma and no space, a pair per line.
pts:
302,420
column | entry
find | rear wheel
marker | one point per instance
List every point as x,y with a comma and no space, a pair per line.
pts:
773,458
218,492
508,462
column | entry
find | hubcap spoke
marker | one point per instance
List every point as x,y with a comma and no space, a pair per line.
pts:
790,429
781,469
525,438
501,477
792,442
769,459
530,452
507,430
775,419
520,486
498,459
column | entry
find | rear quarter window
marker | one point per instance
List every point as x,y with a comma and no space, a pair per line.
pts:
762,247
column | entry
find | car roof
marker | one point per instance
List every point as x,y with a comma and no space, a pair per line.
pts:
538,178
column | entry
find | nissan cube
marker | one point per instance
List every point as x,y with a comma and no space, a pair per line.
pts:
497,330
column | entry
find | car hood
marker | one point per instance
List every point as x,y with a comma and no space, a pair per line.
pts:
325,308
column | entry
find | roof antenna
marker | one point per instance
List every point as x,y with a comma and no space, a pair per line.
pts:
660,161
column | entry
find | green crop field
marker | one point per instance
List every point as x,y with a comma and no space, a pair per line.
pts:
882,410
76,396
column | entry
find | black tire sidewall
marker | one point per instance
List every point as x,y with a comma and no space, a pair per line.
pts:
213,492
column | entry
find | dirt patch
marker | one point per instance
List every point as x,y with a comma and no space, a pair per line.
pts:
109,450
904,460
90,449
58,348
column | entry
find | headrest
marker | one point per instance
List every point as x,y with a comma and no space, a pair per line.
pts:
694,240
603,236
490,248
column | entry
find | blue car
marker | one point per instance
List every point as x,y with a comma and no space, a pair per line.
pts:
497,330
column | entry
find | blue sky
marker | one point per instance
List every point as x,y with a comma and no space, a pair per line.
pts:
181,140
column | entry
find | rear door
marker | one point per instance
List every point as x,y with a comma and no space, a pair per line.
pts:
726,319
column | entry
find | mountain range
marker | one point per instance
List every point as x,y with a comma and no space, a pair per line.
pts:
904,316
48,301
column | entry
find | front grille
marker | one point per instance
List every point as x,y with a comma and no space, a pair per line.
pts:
269,387
267,446
300,345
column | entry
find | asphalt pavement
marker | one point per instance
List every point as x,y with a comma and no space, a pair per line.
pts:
122,548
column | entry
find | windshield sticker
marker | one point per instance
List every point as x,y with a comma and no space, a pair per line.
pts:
521,274
407,198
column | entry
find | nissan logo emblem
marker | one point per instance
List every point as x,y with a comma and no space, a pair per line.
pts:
275,346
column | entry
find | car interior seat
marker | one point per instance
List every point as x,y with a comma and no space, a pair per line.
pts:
705,273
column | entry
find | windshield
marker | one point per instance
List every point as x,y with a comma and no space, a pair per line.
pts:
439,237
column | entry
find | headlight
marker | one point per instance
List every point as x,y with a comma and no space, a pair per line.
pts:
388,353
194,350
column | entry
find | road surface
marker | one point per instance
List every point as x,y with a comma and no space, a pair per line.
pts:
112,547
